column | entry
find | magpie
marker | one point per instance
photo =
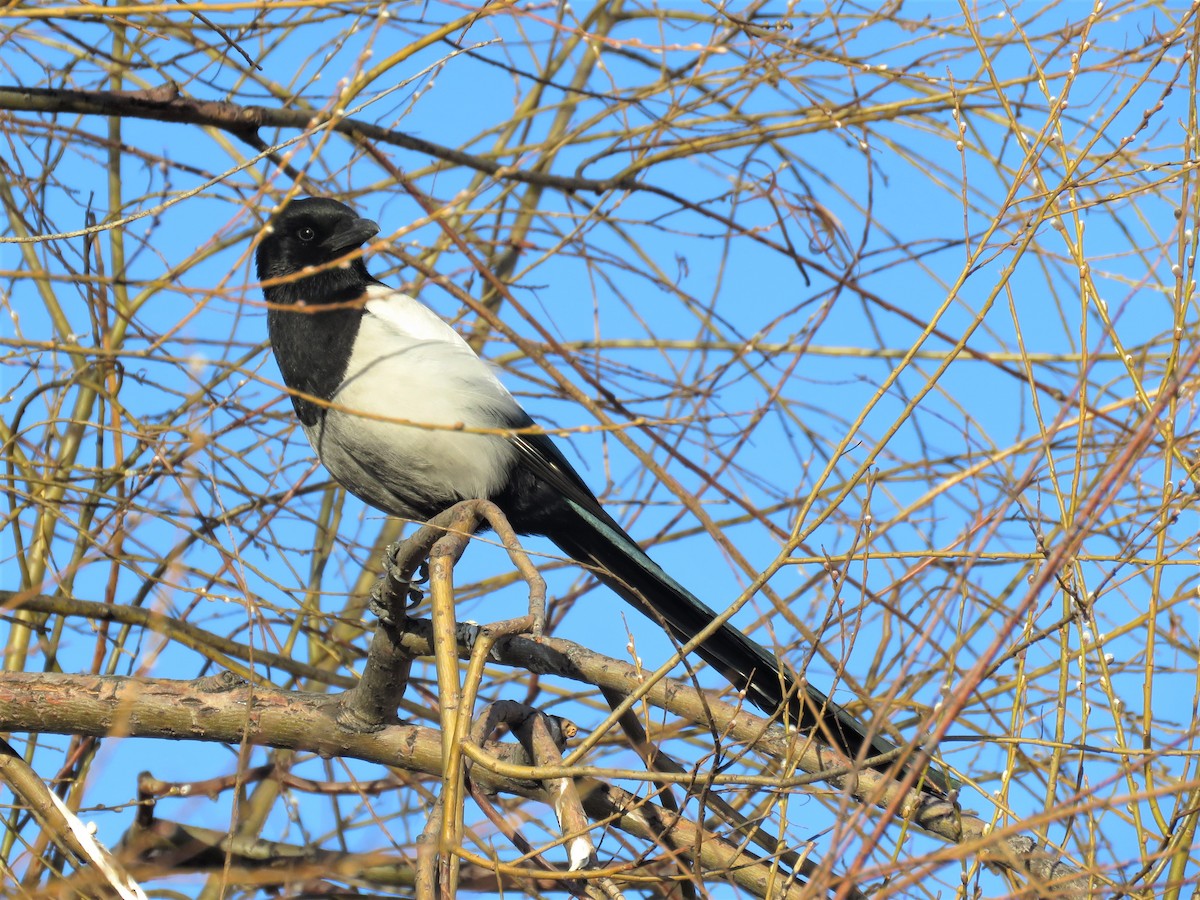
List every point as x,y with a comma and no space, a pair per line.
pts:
367,367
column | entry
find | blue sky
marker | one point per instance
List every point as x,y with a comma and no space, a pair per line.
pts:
916,242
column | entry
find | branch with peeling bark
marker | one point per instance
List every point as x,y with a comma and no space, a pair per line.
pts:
226,709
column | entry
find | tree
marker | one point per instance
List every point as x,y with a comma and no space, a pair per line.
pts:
879,326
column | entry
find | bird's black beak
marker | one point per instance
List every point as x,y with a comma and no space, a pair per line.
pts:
353,234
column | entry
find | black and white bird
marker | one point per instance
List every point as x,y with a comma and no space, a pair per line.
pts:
358,356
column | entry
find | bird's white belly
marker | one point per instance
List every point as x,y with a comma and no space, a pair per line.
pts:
393,432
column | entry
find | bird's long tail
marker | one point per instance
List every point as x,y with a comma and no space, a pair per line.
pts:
597,541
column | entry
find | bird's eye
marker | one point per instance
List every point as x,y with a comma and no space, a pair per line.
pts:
306,234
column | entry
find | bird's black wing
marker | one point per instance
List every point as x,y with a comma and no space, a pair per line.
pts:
582,529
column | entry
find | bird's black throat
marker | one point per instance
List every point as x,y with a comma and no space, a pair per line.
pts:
313,323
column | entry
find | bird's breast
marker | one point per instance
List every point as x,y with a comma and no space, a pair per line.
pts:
407,429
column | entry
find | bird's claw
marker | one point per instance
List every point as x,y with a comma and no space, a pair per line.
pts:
378,605
395,586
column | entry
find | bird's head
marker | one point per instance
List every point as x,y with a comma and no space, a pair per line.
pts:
310,233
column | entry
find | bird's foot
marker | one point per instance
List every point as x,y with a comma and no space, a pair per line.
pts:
397,589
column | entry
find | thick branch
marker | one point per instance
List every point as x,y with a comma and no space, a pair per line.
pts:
166,104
